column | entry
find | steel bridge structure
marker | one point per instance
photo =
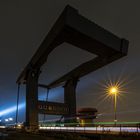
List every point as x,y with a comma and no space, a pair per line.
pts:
75,29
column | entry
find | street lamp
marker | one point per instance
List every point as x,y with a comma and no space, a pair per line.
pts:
114,91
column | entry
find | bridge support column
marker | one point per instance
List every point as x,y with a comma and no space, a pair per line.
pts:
70,100
32,100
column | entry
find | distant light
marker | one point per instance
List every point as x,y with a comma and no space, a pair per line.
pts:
10,119
0,120
77,118
82,122
6,120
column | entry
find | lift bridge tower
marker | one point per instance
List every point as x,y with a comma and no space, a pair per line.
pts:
75,29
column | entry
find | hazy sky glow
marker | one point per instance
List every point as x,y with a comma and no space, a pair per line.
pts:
12,109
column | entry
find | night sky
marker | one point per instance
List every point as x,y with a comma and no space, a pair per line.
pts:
24,24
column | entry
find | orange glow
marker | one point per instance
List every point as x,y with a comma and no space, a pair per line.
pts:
113,90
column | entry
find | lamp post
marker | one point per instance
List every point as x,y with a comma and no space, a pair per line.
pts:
114,91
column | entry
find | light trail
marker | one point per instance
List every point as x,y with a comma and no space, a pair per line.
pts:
2,126
92,129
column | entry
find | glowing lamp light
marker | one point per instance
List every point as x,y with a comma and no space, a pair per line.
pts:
19,125
113,90
77,118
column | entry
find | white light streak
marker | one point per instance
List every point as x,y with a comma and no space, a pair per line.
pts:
92,129
11,109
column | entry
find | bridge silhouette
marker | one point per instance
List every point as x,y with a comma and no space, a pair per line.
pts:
75,29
